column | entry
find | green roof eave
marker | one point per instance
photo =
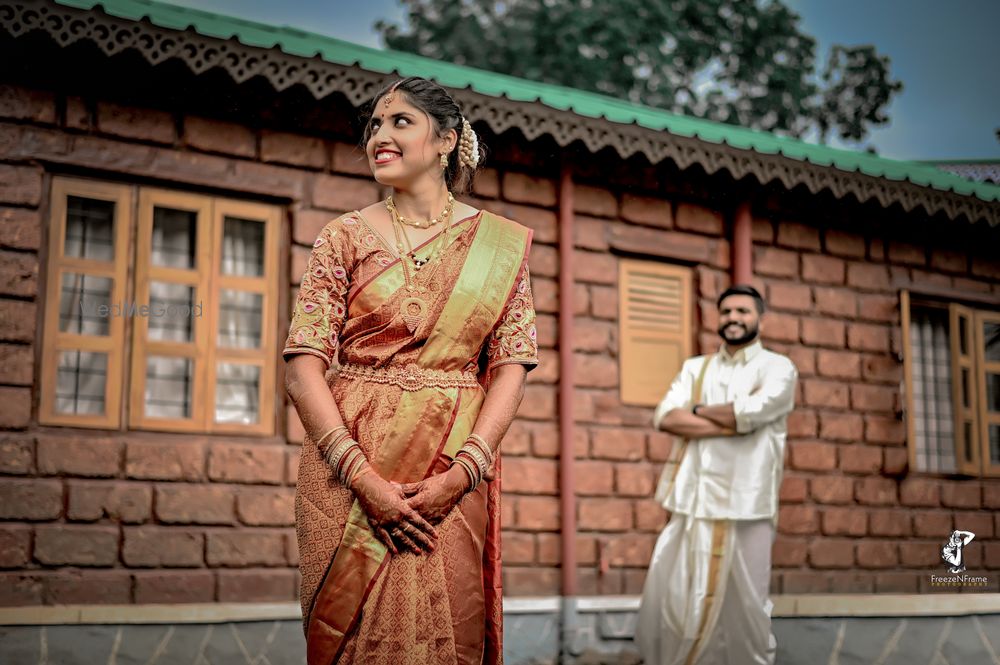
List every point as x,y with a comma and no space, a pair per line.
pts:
304,44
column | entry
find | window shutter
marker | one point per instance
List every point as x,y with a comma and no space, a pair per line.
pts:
654,328
963,389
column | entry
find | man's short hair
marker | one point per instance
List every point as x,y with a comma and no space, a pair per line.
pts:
743,290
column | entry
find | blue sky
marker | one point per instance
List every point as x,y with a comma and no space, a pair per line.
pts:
944,52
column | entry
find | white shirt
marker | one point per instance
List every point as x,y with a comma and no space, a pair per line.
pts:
735,477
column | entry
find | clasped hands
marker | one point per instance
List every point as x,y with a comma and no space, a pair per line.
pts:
402,515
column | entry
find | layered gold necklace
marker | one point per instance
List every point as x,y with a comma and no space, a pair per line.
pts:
413,307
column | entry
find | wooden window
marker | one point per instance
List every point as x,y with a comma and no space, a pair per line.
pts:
192,305
951,355
654,328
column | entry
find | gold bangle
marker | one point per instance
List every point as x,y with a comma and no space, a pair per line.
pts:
480,443
319,441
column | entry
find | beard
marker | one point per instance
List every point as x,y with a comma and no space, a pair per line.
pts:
749,333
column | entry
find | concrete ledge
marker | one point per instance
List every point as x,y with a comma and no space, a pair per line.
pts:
804,605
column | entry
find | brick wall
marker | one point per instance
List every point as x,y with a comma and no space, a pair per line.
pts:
91,516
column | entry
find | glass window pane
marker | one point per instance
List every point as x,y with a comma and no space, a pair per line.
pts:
85,304
172,312
967,442
237,393
243,247
966,378
80,380
89,228
174,237
168,387
993,392
994,444
991,340
240,317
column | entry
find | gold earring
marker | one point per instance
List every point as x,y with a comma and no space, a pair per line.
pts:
444,160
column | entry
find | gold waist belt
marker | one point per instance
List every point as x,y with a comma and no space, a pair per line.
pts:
410,377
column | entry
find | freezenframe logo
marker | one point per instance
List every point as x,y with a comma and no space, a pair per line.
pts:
953,554
133,309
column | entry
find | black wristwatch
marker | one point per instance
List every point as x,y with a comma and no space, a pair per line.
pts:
694,409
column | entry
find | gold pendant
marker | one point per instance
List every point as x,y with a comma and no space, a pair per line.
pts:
413,309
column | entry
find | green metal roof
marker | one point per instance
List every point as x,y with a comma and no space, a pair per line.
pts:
304,44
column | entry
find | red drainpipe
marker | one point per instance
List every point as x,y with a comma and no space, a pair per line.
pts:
742,245
567,482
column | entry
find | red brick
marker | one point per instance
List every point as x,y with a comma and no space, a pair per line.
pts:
79,114
876,491
831,553
523,581
15,545
518,547
27,104
590,233
889,523
581,299
595,267
778,327
134,123
102,587
20,228
979,523
992,555
17,366
174,586
546,294
543,261
838,364
523,188
949,261
914,255
882,430
163,547
194,504
804,360
897,583
789,552
794,489
18,274
351,159
897,461
526,475
631,549
594,478
841,427
986,267
852,582
832,489
789,296
245,547
795,581
257,586
837,302
991,494
647,210
219,136
273,507
544,440
921,554
844,522
76,545
605,514
963,284
872,398
798,236
829,394
291,549
762,231
844,244
812,456
129,503
881,369
867,337
542,222
919,492
699,219
821,269
300,261
798,519
79,456
635,479
868,277
618,444
823,332
539,403
517,441
15,407
17,454
592,335
594,201
860,459
877,554
960,494
686,247
294,149
340,194
30,499
20,589
772,262
20,185
537,513
802,424
307,224
649,516
173,460
250,463
878,308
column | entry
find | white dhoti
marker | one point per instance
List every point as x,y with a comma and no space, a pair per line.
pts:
705,600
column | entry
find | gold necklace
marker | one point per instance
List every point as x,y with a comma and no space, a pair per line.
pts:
416,223
413,308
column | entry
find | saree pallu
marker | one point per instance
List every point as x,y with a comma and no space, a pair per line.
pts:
360,603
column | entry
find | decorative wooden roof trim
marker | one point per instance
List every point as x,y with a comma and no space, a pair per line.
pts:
112,35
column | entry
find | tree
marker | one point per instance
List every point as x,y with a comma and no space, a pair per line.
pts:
743,62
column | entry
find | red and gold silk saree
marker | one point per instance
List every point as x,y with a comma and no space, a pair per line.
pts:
361,603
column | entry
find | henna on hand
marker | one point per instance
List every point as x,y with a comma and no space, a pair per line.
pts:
435,497
391,517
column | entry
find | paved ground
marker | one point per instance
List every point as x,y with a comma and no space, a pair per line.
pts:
912,641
